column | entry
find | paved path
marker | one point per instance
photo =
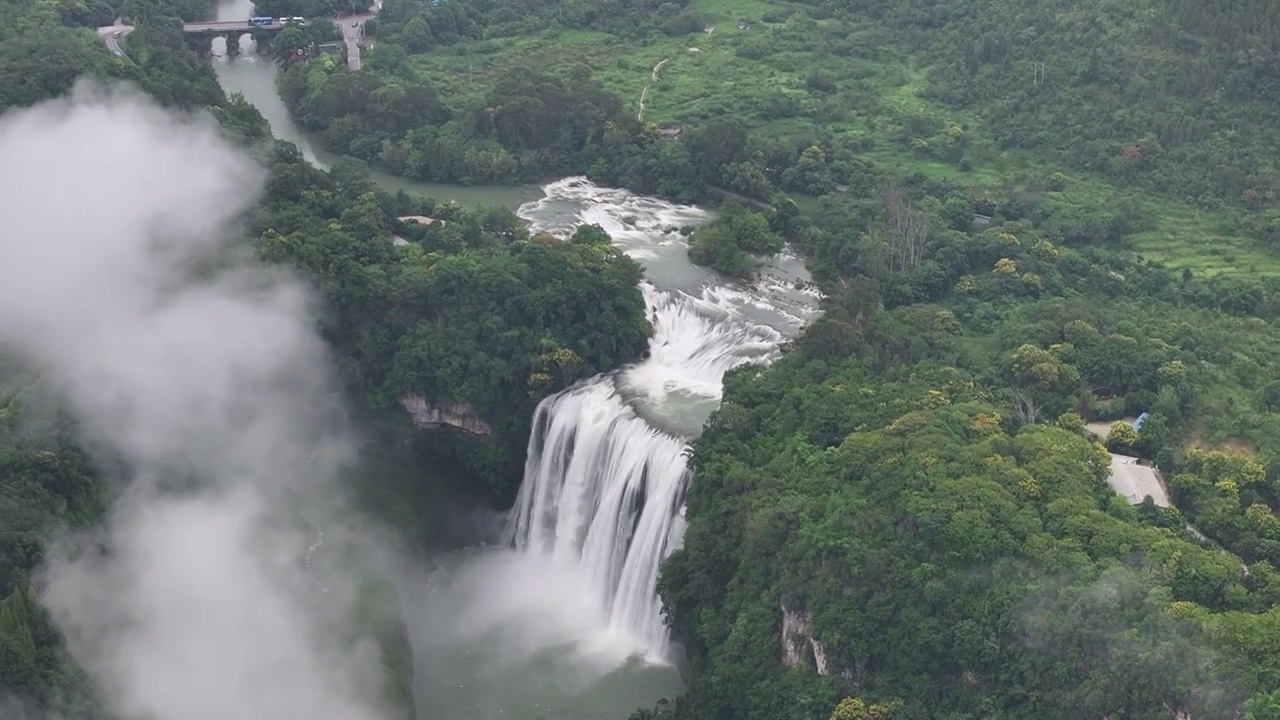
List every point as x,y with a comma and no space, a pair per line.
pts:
352,27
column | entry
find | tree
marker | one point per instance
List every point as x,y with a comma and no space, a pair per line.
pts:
958,212
715,146
1121,437
1154,435
287,40
785,218
1071,422
1263,706
908,230
854,708
1040,378
590,235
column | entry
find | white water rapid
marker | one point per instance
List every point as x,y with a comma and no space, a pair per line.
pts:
606,474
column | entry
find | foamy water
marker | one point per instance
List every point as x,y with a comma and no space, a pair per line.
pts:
606,474
564,620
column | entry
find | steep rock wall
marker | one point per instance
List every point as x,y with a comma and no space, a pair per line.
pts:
459,416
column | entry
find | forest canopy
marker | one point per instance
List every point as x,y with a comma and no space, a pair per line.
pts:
1026,217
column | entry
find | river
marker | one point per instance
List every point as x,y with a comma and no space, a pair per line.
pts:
255,78
562,621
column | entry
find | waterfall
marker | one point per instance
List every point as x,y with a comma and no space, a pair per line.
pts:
606,473
601,490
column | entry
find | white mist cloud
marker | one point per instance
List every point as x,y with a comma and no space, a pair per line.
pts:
113,210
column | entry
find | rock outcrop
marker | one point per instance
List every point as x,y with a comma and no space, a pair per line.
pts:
459,416
798,641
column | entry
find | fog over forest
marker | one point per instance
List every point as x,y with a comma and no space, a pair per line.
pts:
197,370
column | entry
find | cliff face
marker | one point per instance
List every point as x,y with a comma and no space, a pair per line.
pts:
798,642
460,416
800,647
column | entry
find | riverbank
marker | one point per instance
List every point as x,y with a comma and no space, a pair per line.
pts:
255,79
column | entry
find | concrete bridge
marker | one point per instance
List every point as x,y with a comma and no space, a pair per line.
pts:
201,34
217,26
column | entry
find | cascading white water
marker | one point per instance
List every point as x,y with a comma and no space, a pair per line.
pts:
606,474
601,489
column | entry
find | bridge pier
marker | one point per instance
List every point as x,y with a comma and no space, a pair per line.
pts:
233,43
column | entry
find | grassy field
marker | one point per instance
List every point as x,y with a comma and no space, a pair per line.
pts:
752,57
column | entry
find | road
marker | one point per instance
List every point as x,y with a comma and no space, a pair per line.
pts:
111,35
352,28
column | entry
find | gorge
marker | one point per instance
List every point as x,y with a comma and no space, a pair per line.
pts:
563,616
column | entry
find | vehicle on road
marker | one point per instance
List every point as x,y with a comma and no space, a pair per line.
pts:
261,21
294,21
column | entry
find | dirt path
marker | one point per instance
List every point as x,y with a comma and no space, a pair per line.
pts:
653,78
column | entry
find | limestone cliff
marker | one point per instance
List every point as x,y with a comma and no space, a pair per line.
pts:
460,416
798,641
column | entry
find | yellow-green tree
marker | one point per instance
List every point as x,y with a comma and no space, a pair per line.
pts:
1040,378
855,708
1121,437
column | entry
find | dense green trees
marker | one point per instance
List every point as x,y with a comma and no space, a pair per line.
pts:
529,125
906,502
1138,90
728,242
470,312
818,100
940,551
46,483
906,508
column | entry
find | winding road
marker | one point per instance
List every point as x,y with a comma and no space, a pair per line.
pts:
111,35
644,94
